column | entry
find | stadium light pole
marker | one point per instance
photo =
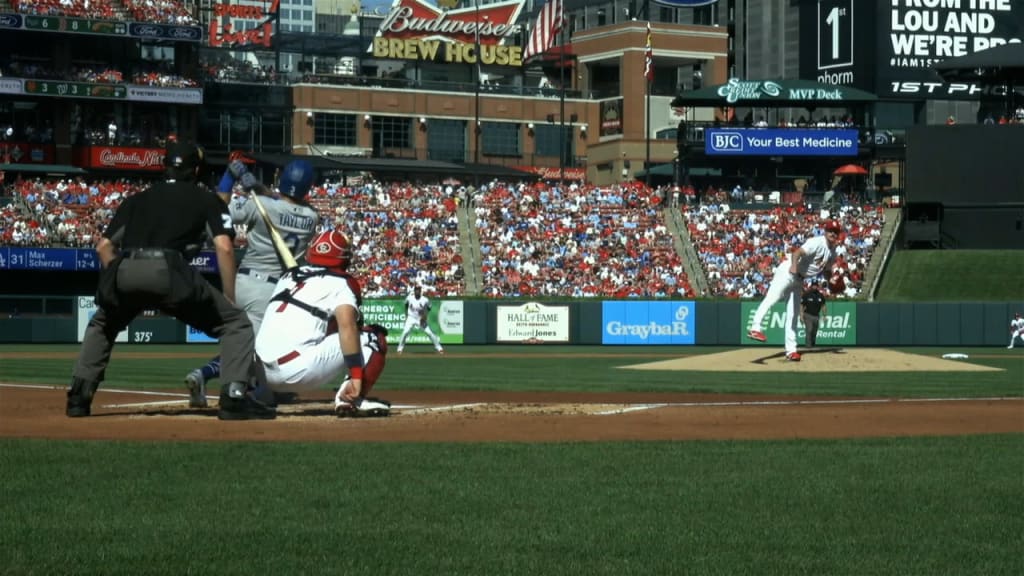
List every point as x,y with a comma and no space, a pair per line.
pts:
476,105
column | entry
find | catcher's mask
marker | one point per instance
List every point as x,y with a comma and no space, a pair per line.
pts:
330,249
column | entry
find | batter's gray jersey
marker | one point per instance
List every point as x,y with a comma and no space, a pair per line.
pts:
295,222
260,267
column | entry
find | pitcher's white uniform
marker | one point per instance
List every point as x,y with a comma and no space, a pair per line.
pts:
260,268
417,306
1016,329
300,349
817,257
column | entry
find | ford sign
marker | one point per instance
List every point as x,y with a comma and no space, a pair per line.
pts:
685,3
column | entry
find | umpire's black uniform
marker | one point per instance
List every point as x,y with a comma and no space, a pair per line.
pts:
813,302
156,230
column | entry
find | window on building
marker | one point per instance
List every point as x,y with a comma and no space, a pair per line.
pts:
548,140
391,132
500,139
334,129
446,140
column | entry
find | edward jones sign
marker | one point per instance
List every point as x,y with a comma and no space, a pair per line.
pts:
533,323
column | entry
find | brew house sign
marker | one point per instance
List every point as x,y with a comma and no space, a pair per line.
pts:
414,30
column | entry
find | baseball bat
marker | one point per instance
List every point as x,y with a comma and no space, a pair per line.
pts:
287,258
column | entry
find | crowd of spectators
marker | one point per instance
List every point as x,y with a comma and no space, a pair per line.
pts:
145,73
535,239
402,234
92,9
227,69
160,11
150,11
70,211
576,240
739,249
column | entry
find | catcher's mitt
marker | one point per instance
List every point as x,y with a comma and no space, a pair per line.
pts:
836,284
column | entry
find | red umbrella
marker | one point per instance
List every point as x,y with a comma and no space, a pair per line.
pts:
850,169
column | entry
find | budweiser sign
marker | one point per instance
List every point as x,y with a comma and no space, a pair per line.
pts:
554,173
222,34
118,158
414,30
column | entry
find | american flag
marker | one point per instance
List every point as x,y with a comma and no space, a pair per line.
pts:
549,23
648,57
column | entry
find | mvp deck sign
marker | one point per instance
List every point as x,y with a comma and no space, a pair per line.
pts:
414,30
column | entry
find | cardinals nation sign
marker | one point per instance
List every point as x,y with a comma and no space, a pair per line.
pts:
414,30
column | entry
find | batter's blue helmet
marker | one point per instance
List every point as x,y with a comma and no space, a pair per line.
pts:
296,179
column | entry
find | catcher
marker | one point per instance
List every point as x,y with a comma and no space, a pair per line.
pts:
312,331
417,306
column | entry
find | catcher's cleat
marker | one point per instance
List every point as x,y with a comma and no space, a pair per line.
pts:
757,335
364,408
196,384
793,356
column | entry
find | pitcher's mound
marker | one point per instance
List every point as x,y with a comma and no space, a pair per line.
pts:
757,359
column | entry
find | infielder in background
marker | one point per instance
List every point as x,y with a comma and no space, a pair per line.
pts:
1016,329
312,331
417,307
813,258
260,268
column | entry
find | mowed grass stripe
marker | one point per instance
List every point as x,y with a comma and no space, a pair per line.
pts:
586,371
881,506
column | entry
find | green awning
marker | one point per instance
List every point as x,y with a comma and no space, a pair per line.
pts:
42,168
773,94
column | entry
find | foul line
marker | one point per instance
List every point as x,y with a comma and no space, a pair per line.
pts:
412,409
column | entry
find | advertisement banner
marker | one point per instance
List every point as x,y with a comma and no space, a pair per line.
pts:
122,158
611,117
416,30
647,323
86,307
137,93
916,35
780,142
838,326
533,323
167,31
196,336
445,320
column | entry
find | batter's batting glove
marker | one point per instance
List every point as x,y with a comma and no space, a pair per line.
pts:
248,181
237,168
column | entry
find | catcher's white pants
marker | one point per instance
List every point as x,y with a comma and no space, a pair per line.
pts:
314,364
252,294
784,286
414,324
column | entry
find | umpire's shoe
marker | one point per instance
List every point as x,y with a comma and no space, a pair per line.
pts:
238,403
80,397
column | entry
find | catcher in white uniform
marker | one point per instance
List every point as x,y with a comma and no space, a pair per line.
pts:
417,307
312,331
814,257
1016,329
260,268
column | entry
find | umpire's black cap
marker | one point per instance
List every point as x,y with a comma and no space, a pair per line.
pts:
183,156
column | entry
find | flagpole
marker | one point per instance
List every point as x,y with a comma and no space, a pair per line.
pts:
561,113
647,125
476,103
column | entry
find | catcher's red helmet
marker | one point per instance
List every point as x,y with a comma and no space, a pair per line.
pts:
330,249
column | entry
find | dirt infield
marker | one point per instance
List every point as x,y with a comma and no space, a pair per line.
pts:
38,412
757,359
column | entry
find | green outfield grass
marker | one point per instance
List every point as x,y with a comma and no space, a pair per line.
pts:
953,276
900,506
560,368
925,506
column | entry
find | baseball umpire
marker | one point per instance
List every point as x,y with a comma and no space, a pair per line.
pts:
151,271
